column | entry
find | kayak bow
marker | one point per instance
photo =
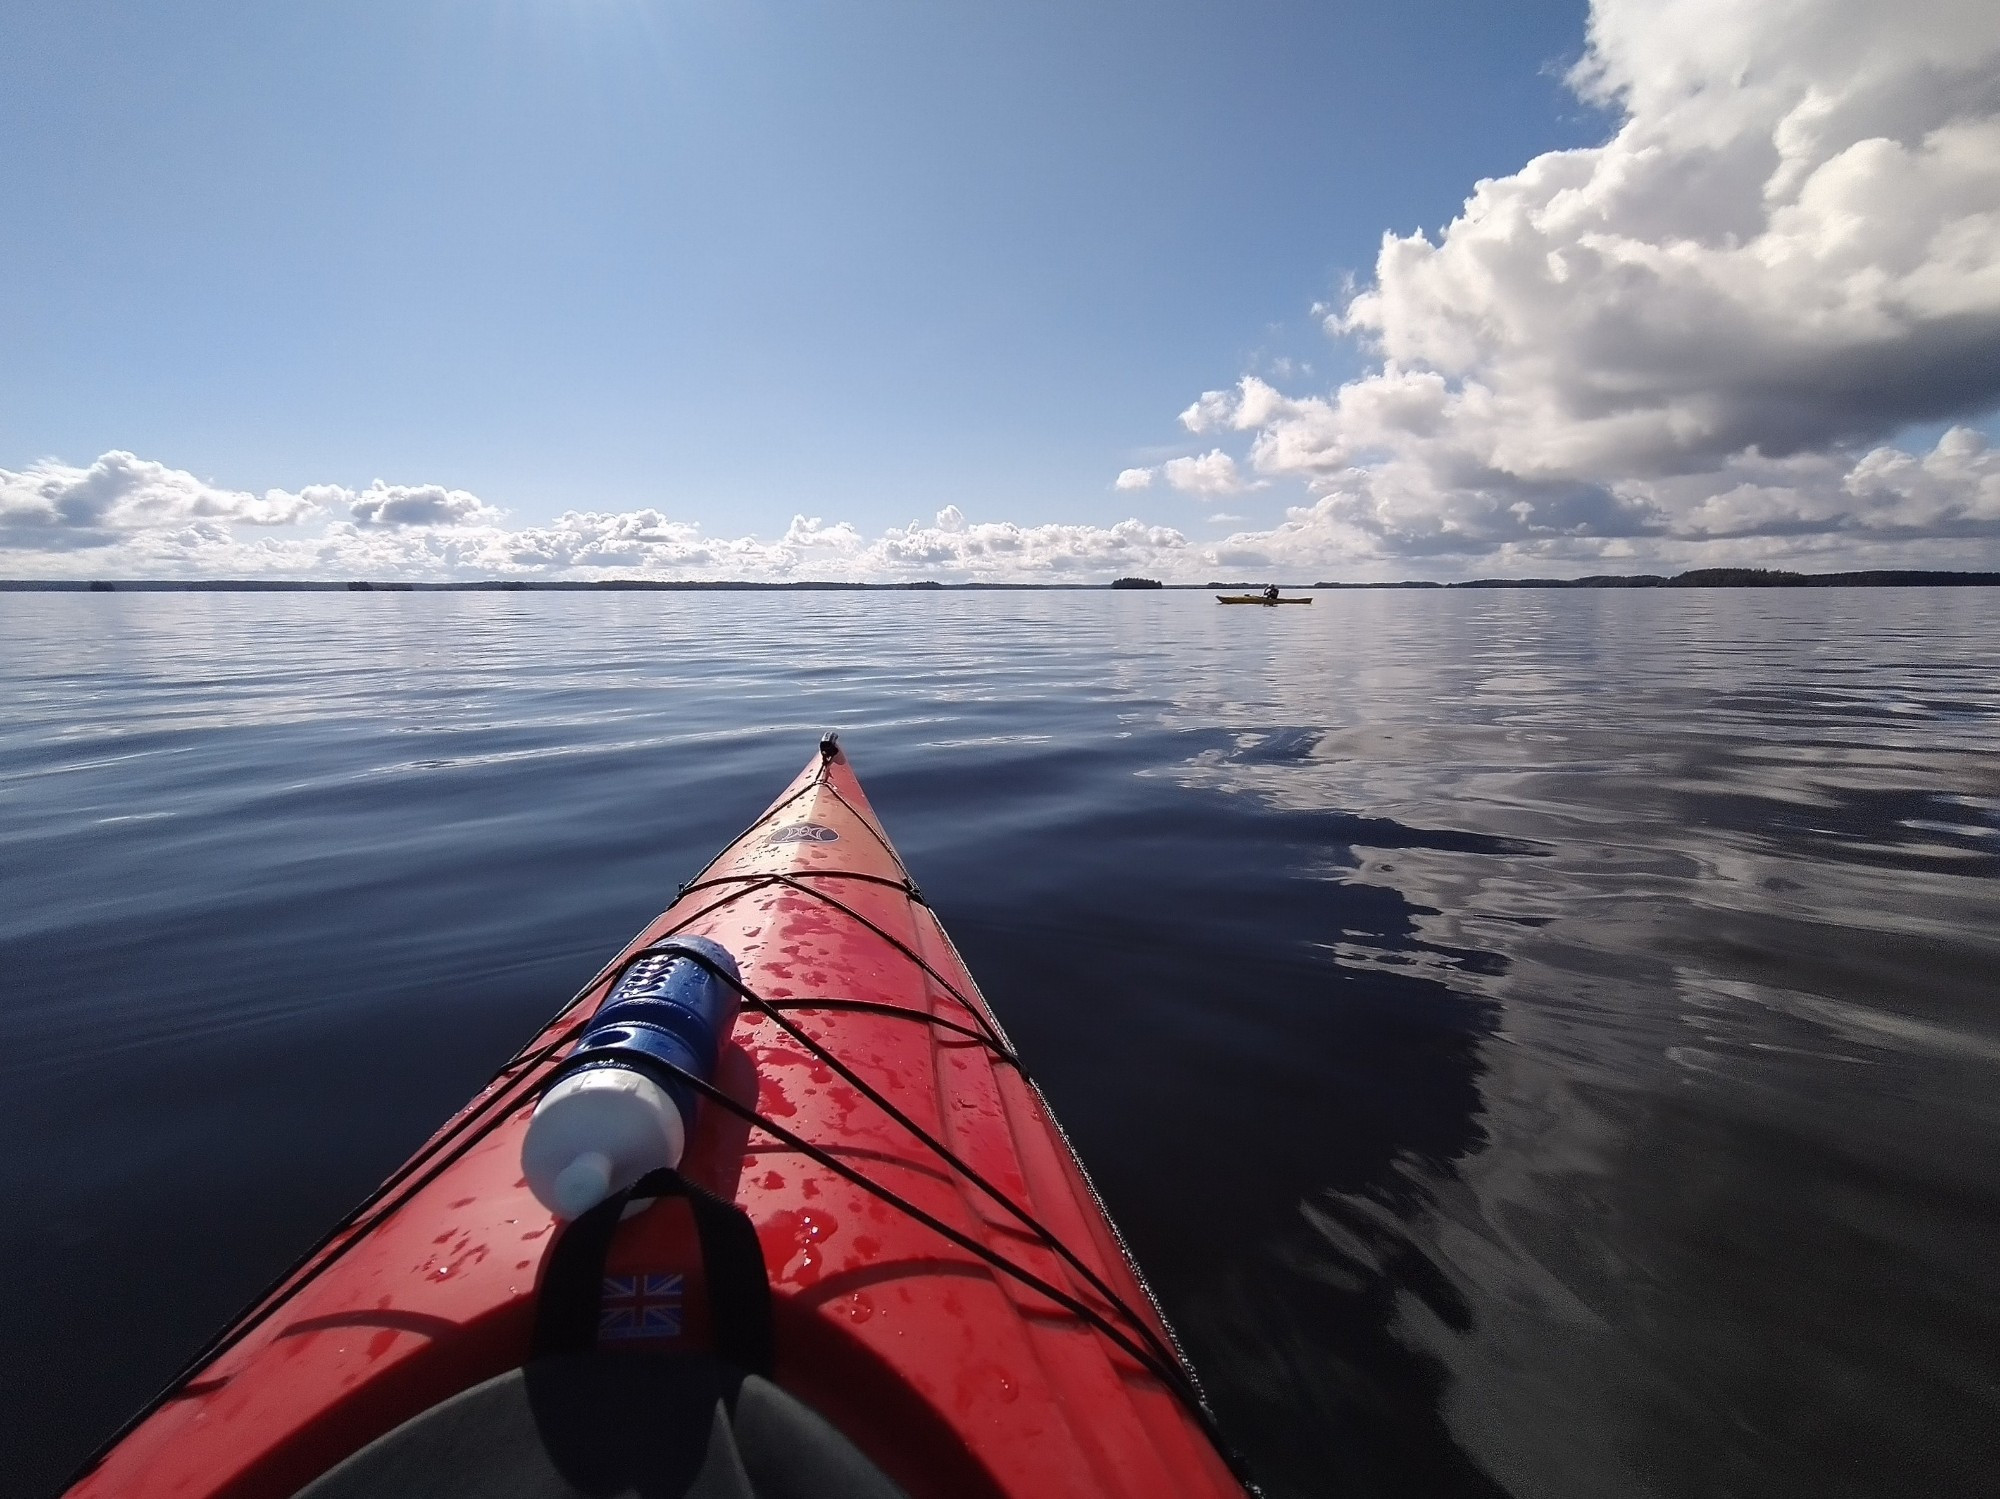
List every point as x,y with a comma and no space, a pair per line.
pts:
947,1299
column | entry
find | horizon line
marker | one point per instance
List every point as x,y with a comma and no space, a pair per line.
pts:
1707,577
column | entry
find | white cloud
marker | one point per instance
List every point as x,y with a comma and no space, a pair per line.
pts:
54,506
1789,250
1885,508
1214,472
1690,345
415,505
810,533
1208,413
141,519
1002,551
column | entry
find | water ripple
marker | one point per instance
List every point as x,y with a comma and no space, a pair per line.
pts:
1537,1043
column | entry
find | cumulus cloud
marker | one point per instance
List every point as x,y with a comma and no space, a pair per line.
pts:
415,505
1213,472
1884,508
1825,511
1001,551
1693,344
142,519
1704,328
809,533
55,506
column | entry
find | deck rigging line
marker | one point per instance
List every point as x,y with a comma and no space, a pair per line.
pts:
523,1076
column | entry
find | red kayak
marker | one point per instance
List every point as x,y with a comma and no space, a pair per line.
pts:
878,1269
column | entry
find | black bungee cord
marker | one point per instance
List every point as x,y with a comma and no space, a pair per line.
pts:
937,1147
502,1097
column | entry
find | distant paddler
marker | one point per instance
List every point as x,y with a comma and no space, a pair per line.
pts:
1269,597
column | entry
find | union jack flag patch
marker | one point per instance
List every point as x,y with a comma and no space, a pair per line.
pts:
640,1306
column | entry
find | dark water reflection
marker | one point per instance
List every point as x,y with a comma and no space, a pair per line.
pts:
1537,1044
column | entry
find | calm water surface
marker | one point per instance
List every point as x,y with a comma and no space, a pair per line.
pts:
1538,1044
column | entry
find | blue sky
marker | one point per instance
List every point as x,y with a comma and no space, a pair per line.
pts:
864,259
731,263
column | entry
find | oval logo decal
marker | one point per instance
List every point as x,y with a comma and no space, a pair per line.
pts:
804,832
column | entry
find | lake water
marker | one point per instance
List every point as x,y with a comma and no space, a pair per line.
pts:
1537,1043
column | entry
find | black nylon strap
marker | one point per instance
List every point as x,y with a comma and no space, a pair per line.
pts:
739,1288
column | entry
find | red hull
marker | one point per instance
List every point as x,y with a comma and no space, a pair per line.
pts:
956,1379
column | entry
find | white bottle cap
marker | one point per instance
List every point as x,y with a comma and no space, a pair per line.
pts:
596,1132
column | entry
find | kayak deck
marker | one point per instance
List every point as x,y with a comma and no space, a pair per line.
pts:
955,1378
1254,598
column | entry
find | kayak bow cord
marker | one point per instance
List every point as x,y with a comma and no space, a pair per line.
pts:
526,1077
1148,1351
930,1142
502,1096
1141,1343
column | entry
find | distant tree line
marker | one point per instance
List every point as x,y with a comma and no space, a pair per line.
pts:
1724,577
1705,577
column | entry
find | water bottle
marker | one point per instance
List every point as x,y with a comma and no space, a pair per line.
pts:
613,1112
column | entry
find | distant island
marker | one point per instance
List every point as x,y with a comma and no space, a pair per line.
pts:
1705,577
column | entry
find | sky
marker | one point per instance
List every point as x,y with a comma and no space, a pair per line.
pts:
1015,291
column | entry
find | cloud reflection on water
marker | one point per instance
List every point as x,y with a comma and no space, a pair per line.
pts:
1713,884
1542,1041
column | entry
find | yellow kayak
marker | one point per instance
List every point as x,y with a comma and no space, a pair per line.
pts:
1254,598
